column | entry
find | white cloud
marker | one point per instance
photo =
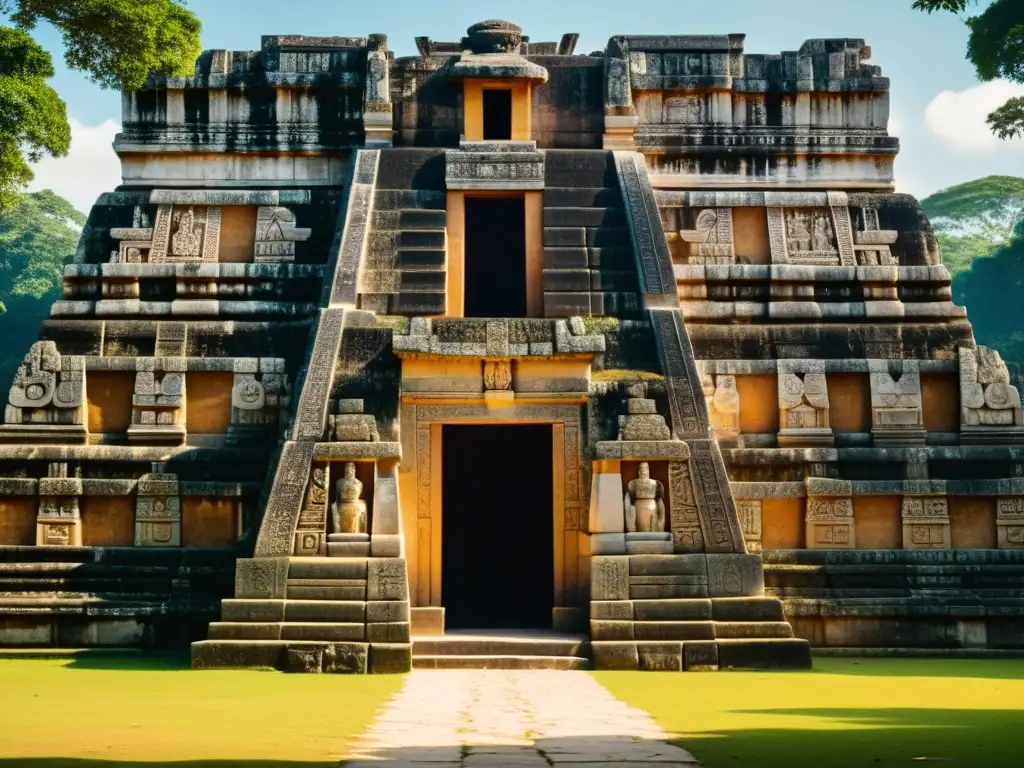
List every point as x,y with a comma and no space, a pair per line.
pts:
90,169
958,117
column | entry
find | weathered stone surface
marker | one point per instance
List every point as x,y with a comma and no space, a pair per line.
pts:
304,659
346,658
615,655
390,658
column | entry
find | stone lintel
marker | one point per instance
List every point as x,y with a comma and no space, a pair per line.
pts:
356,451
643,450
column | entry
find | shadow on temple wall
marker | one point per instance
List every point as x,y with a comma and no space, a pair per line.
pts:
837,738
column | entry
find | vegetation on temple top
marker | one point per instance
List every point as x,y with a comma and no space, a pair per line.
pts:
996,49
117,43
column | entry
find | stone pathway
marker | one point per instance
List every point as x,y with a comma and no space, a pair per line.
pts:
518,719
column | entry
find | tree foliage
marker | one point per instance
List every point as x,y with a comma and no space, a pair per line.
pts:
996,49
117,43
990,208
38,236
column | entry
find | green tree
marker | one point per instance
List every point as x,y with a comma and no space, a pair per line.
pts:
972,220
118,43
996,49
38,236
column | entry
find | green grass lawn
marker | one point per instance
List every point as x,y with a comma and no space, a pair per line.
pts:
846,713
105,711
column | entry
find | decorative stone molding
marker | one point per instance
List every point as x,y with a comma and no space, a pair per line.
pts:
276,235
46,402
1010,523
829,516
684,521
803,405
515,165
186,233
897,416
990,405
750,522
926,522
723,401
496,338
378,121
158,511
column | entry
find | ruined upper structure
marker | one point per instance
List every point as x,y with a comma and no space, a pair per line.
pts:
666,287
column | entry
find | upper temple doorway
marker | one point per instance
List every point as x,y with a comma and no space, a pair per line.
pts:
497,524
495,270
497,114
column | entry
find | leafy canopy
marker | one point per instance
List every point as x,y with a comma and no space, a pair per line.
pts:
117,43
990,208
38,236
996,48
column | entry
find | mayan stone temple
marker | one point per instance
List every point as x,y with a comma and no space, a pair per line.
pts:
508,355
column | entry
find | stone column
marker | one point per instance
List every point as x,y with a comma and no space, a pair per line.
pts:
386,526
60,521
311,530
1010,522
607,512
750,521
158,511
926,522
158,405
829,516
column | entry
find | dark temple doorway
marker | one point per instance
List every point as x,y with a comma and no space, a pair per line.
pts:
495,272
497,114
497,539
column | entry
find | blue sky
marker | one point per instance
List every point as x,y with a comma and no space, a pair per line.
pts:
937,104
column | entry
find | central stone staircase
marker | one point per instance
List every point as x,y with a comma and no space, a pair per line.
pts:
501,649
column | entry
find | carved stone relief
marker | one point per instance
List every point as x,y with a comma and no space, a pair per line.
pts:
348,513
925,523
804,410
750,522
685,518
257,399
1010,523
310,532
158,405
48,390
158,511
59,523
186,233
988,401
897,417
723,401
644,503
710,241
276,235
829,522
871,243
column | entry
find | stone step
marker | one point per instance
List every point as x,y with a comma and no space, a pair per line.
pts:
458,644
764,654
335,632
326,589
403,199
500,662
747,609
752,629
409,219
583,217
421,258
582,197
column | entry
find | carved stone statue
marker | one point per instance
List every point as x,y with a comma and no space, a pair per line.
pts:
348,513
645,503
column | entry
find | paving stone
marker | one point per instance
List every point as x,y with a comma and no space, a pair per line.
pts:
484,718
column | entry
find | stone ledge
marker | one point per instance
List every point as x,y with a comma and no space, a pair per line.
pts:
640,450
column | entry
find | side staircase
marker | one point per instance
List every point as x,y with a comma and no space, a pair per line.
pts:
588,258
338,614
404,271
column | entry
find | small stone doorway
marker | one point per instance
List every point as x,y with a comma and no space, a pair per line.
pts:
497,538
495,281
497,114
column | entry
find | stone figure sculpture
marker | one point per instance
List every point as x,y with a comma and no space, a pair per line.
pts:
348,513
187,240
645,503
